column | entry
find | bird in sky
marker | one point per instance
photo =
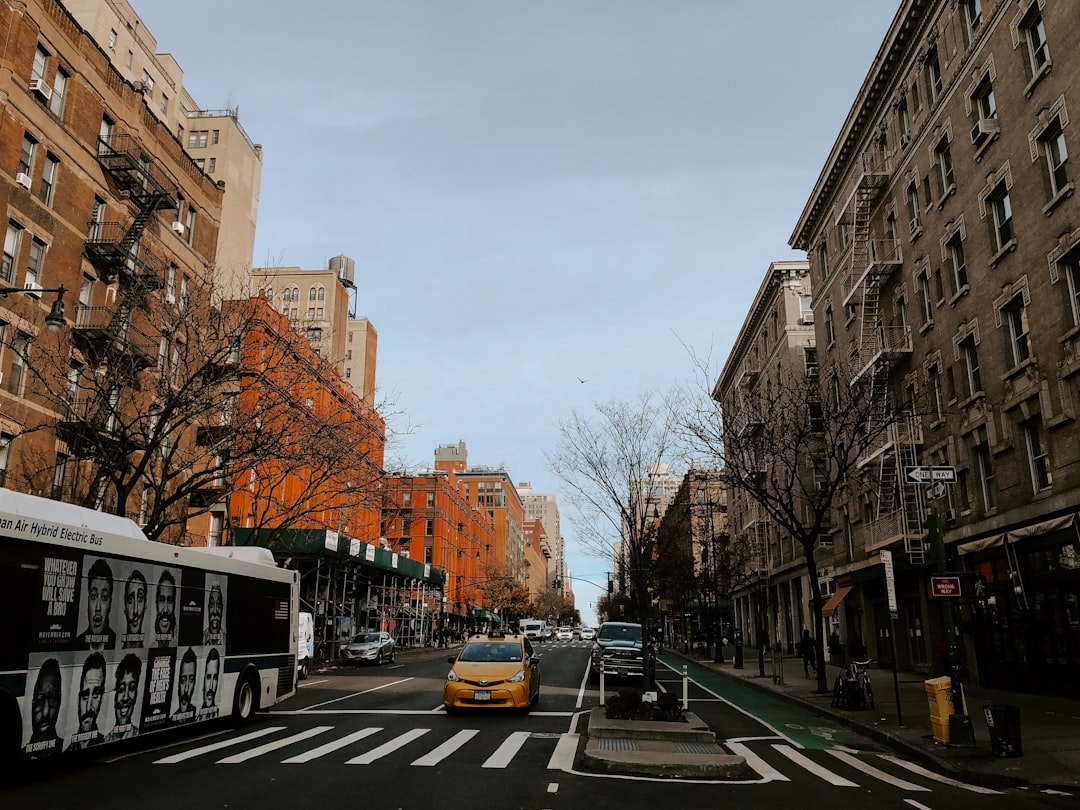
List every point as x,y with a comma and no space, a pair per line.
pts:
581,380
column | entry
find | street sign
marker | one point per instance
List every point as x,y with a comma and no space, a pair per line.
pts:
945,586
926,475
890,582
935,490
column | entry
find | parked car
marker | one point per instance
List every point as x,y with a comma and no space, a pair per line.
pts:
564,634
374,647
491,671
618,651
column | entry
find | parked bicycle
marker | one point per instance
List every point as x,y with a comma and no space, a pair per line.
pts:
853,689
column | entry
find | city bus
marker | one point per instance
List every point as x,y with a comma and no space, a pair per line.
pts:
106,635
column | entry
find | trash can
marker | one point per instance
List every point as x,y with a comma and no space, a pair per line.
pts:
1004,724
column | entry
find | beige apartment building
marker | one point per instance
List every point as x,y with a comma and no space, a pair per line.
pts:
769,600
943,237
214,138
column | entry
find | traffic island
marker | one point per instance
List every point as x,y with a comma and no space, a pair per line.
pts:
686,750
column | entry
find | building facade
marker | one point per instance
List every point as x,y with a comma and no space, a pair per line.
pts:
945,256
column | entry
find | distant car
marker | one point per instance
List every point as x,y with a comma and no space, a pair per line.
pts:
564,634
491,671
587,634
373,647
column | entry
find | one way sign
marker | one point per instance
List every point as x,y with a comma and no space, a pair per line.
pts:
926,475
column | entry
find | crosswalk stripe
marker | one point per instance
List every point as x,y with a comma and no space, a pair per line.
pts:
911,766
244,756
388,748
194,752
562,758
767,772
505,752
437,755
332,746
870,770
805,762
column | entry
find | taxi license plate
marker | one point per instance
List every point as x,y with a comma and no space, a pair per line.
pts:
482,694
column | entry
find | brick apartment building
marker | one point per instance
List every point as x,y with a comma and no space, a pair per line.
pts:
943,236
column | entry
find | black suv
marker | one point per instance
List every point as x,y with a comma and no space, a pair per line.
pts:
618,650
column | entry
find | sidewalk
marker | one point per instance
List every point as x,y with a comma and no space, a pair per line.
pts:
1049,726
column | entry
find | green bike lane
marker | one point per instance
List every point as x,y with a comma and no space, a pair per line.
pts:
734,710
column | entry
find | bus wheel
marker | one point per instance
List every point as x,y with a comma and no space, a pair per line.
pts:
245,701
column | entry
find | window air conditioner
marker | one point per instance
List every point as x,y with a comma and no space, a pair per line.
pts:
178,227
914,225
807,318
950,515
42,89
983,129
34,288
23,179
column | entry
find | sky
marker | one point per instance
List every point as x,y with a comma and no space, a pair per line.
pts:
535,192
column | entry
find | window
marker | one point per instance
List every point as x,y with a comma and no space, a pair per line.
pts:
923,280
197,139
12,243
5,457
810,361
148,82
984,464
912,197
59,92
1057,157
112,39
216,136
969,354
1038,459
189,225
972,17
903,122
430,500
164,106
211,166
59,476
806,311
945,165
86,291
429,527
105,134
47,187
217,523
201,163
1017,321
71,383
36,263
1001,207
322,293
311,294
985,103
348,373
1035,35
97,217
13,382
1072,275
26,155
955,249
41,64
127,60
932,71
183,303
937,391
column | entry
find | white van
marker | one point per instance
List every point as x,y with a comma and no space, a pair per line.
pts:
533,629
305,643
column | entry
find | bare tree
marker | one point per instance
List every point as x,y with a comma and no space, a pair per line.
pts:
797,447
609,463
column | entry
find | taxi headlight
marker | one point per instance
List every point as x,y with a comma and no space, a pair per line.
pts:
452,676
519,676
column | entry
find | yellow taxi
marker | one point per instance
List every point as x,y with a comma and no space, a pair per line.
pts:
493,670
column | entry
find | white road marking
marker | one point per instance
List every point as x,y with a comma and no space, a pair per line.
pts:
506,752
870,770
562,758
805,762
767,772
437,755
388,748
194,752
915,804
273,746
553,787
356,694
911,766
313,683
332,746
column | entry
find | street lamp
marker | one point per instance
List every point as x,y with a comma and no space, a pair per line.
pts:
55,320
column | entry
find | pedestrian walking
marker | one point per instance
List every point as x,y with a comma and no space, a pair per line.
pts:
836,649
808,653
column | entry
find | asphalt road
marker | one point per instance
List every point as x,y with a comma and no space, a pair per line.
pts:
376,737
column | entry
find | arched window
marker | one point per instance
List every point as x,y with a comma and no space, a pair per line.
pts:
322,293
295,293
311,294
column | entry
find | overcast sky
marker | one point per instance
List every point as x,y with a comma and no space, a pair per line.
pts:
534,191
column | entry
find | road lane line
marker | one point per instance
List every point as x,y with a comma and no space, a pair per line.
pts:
767,772
562,758
388,748
313,683
437,755
911,766
808,764
870,770
916,804
205,749
506,752
356,694
273,746
332,746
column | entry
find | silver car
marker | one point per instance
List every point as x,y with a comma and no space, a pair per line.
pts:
374,647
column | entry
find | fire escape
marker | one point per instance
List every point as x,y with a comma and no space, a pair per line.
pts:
878,347
112,338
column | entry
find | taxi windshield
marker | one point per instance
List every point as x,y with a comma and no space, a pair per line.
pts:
491,651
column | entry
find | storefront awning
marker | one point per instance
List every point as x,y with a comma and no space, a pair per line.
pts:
1031,530
834,601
